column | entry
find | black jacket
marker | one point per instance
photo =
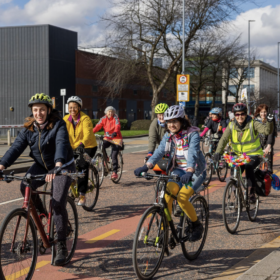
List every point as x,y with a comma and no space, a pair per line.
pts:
46,147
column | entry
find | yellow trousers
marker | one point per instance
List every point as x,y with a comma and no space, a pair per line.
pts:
182,198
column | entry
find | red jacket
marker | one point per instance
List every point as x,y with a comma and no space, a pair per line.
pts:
109,125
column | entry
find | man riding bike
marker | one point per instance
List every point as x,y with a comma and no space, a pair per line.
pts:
157,128
112,127
82,140
186,160
244,135
46,135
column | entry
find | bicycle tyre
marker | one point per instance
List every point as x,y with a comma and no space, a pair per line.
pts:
202,147
156,212
222,177
6,225
209,169
99,165
120,168
93,190
253,212
203,216
236,206
72,245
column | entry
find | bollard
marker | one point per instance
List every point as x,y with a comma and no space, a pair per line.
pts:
9,137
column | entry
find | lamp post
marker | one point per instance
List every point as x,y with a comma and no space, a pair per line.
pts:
248,70
278,85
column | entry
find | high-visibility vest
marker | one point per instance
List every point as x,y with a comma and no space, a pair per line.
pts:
250,142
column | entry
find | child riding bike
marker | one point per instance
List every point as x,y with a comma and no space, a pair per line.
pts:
182,142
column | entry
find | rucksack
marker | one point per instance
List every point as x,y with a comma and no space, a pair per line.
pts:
263,179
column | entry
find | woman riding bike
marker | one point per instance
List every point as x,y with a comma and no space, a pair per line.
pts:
244,135
186,160
157,128
112,127
82,140
46,135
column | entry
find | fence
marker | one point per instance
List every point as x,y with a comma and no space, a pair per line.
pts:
11,131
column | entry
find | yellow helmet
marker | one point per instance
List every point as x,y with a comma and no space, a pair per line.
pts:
161,108
40,98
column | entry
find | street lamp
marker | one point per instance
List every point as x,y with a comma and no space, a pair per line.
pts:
248,70
278,85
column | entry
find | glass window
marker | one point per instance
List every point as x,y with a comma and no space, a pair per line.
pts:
233,73
94,88
251,73
94,114
232,90
252,87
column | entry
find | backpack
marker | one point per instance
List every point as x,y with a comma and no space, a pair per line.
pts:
264,180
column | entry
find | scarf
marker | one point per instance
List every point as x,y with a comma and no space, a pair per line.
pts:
161,124
41,126
183,136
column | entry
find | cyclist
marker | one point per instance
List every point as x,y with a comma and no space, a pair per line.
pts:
82,140
207,119
111,125
46,135
244,135
157,128
186,160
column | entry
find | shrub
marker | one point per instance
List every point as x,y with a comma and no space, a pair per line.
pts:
141,125
123,124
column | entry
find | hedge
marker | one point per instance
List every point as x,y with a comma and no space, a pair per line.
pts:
141,125
123,124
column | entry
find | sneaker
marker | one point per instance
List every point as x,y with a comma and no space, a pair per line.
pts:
114,176
82,201
177,211
61,253
252,198
195,232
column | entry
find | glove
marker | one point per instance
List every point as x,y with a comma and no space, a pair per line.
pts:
149,154
114,134
55,170
81,149
216,157
1,174
138,171
186,178
270,118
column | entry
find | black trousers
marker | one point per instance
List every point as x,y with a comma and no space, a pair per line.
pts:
270,160
114,154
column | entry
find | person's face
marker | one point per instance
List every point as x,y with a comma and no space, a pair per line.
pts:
240,117
110,113
161,118
40,112
73,109
215,117
210,115
173,125
263,114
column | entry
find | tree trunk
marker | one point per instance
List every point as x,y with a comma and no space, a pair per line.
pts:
196,106
153,104
214,100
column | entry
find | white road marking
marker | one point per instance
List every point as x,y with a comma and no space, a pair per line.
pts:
139,151
10,201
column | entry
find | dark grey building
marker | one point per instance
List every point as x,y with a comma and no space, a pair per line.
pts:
34,59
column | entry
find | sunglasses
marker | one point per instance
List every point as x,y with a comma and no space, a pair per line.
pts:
242,114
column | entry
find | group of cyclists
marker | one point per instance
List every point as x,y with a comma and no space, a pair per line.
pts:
55,143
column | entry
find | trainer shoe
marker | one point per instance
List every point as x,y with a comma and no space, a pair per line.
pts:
82,201
114,176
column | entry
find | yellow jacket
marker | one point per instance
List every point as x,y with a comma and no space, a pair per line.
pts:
82,133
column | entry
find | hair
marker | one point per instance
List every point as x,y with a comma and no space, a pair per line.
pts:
185,124
261,107
53,117
80,107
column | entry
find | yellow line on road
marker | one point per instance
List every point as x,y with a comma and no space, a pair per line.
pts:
103,236
25,271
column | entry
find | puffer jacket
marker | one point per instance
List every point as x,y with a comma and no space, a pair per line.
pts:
46,146
156,133
82,133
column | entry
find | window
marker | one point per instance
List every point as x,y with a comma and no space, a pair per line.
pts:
94,114
232,90
233,73
251,74
252,88
94,88
135,92
164,94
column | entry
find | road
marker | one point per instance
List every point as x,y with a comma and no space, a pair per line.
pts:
112,224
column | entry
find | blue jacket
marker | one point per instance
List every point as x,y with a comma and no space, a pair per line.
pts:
195,158
46,147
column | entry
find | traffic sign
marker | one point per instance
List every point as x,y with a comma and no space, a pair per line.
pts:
183,88
63,92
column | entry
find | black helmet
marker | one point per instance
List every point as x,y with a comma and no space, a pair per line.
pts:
239,107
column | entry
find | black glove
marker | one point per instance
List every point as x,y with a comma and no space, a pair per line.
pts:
81,149
270,118
139,170
114,134
186,178
1,174
55,170
216,157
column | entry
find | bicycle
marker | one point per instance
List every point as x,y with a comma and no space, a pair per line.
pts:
18,238
235,198
102,161
204,144
93,186
152,231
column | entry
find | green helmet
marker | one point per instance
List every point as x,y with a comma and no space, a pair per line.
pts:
161,108
40,98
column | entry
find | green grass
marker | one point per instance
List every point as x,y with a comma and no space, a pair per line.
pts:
126,133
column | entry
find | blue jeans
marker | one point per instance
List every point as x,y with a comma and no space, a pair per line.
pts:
196,184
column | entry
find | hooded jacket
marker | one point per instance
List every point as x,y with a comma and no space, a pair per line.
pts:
156,133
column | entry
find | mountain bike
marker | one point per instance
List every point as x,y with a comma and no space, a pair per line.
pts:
103,163
151,238
18,238
93,186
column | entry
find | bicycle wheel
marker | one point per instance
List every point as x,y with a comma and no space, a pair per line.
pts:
93,189
222,170
252,209
120,168
99,165
203,146
209,169
148,245
231,207
191,250
72,231
17,262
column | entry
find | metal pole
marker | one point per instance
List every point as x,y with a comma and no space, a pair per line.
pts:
63,109
248,70
278,85
183,47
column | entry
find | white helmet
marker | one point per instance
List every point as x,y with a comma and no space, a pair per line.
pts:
76,99
174,112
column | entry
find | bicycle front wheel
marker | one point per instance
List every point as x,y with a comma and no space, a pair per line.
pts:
252,209
149,243
231,207
18,259
99,165
222,170
209,169
120,168
192,250
72,231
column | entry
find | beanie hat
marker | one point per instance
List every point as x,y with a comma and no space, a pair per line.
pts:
110,108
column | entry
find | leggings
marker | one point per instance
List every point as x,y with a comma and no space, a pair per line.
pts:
61,186
114,155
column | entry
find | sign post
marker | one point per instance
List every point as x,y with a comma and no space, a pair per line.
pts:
244,96
63,93
183,88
